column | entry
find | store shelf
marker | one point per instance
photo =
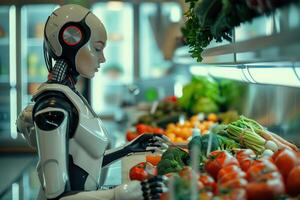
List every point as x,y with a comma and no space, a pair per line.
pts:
276,47
271,38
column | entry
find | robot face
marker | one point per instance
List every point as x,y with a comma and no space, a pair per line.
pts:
90,56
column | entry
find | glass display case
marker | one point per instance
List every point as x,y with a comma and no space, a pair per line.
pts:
158,31
117,71
7,71
33,67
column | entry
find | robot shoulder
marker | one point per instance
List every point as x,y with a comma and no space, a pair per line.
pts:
50,108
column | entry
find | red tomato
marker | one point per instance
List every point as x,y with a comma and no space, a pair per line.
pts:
235,194
293,182
231,176
142,171
271,175
187,173
274,156
158,130
170,99
245,153
269,189
131,135
206,195
142,128
217,160
248,162
208,182
227,170
234,183
260,168
285,161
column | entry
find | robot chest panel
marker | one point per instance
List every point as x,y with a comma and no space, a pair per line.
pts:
91,134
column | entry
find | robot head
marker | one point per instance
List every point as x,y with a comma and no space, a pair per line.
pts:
76,35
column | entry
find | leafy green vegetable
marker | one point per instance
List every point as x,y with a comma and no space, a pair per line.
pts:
201,95
209,20
201,143
172,160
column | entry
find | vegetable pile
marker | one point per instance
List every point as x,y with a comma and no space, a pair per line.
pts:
250,134
242,175
229,168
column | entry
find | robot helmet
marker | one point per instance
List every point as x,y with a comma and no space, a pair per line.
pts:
69,34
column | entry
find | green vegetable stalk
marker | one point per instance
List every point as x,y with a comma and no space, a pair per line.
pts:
246,137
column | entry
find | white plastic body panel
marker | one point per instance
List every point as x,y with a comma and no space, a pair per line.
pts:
52,156
90,140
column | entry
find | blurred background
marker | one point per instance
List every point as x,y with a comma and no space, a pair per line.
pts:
146,61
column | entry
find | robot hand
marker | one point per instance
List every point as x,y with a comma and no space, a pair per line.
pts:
150,189
153,187
25,125
148,142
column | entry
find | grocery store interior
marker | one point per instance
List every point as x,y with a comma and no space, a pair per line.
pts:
219,77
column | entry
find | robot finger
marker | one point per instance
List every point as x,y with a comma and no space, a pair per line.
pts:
155,197
159,144
154,149
162,138
149,193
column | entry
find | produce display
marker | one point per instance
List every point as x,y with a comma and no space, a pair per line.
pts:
250,134
241,160
167,111
181,132
223,156
238,176
204,95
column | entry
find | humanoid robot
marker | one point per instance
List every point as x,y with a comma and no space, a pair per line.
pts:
70,138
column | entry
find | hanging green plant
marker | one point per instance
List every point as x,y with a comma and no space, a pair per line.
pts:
215,19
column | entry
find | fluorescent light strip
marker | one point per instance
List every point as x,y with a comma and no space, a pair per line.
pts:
12,46
297,70
233,73
115,5
13,113
15,191
198,70
178,89
12,71
276,76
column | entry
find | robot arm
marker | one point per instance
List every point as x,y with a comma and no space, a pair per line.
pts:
51,126
143,143
135,190
25,126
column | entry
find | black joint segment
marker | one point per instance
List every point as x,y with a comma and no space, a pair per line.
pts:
156,191
155,197
48,121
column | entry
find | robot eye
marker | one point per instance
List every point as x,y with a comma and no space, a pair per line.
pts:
72,35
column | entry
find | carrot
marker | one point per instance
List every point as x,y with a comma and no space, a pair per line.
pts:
283,141
266,135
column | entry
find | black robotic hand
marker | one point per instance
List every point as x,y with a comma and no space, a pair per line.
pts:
148,142
154,187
